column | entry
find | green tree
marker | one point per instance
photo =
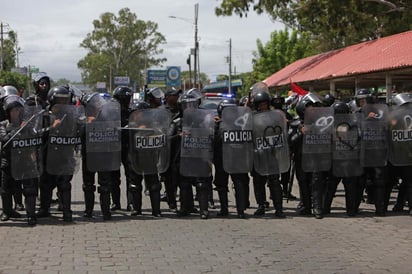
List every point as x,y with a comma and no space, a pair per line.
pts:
9,47
282,49
333,23
120,46
14,79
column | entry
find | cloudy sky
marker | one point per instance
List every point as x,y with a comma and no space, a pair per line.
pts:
50,32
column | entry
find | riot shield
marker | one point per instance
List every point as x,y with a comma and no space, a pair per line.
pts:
374,135
149,151
346,146
64,138
196,153
400,136
103,137
236,129
317,139
271,150
26,157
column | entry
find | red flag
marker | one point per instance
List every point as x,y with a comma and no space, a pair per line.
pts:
297,89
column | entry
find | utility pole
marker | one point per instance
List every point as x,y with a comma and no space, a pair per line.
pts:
230,66
2,46
196,53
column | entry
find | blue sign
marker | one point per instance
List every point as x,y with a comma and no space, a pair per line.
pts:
173,77
156,76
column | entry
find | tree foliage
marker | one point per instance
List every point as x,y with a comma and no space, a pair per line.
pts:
9,54
14,79
120,45
282,49
333,23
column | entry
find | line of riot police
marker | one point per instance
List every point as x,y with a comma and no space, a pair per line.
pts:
49,132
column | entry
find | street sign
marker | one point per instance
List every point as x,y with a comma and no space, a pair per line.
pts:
122,80
156,76
173,77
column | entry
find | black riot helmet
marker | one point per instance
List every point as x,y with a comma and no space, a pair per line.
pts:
123,95
309,99
93,103
138,105
278,101
261,97
340,108
12,101
328,100
190,99
228,102
8,90
402,98
173,92
60,95
41,84
363,94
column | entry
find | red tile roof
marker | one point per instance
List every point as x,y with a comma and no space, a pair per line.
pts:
387,53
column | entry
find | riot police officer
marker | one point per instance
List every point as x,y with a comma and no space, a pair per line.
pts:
123,95
66,124
373,151
172,176
195,154
240,179
270,175
311,183
101,115
346,165
42,83
148,152
398,152
13,106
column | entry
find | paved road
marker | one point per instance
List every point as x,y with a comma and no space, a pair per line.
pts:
335,244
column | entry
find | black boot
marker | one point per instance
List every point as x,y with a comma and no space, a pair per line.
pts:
260,210
224,204
203,204
31,210
276,194
155,203
240,197
8,211
66,200
89,204
105,205
136,198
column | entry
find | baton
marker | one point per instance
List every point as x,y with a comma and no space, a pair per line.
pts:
21,128
290,183
48,128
